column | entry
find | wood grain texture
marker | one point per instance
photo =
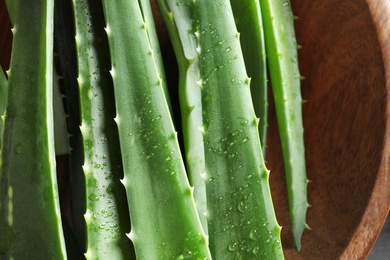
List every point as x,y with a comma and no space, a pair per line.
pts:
379,204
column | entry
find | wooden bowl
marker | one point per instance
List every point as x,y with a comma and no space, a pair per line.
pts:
346,64
345,59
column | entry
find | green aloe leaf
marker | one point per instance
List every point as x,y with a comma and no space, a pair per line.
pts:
61,136
247,15
179,21
3,103
241,219
164,220
281,47
30,222
107,214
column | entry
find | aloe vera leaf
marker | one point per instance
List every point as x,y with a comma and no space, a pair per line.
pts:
249,23
146,11
11,8
28,173
73,249
179,21
107,214
4,81
164,221
241,218
61,139
3,90
3,102
65,42
281,47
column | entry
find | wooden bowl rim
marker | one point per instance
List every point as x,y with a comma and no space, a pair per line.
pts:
378,207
